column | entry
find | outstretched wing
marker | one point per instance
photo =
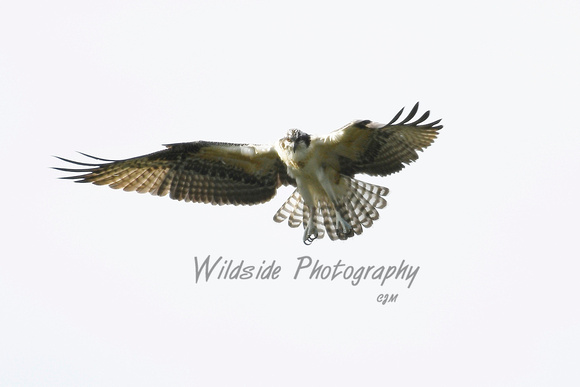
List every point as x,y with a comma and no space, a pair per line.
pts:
208,172
378,149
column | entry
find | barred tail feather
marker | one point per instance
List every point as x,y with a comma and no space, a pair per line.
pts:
328,215
289,208
357,206
368,199
366,213
319,221
353,218
370,192
296,216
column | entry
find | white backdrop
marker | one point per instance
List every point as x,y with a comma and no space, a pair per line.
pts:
97,287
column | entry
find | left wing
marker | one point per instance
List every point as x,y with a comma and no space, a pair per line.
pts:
208,172
377,149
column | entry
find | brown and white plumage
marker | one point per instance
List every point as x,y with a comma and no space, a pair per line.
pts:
327,198
205,172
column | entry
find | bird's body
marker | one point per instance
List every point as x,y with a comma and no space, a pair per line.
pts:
327,196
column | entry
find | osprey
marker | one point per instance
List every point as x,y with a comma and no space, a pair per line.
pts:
322,168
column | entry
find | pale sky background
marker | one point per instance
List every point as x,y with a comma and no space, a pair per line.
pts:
97,286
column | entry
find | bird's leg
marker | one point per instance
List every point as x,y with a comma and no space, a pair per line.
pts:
343,228
331,185
311,232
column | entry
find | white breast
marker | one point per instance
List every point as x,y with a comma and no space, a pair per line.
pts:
308,167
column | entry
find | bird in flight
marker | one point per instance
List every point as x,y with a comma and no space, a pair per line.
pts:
322,168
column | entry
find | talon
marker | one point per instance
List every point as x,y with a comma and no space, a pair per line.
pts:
343,229
310,234
308,241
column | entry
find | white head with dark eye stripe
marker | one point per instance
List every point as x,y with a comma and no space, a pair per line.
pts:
298,139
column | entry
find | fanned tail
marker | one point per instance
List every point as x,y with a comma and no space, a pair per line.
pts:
357,206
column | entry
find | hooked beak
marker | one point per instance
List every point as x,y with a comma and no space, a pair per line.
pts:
296,136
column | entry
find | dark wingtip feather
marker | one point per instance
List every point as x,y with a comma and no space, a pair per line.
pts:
96,158
421,119
74,169
82,178
78,162
411,114
396,117
76,178
434,124
416,123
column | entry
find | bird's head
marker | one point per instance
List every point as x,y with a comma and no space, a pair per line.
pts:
297,139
